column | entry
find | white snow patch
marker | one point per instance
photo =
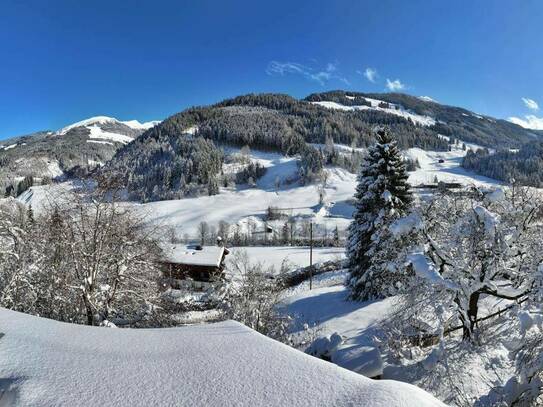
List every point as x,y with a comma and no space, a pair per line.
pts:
134,124
426,270
10,147
99,142
168,366
392,109
94,121
406,225
99,134
427,99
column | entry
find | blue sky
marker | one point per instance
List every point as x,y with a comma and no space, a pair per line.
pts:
63,61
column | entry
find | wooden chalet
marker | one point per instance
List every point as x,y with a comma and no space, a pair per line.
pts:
194,262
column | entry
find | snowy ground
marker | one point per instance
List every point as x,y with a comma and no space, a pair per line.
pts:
326,310
48,363
449,170
246,206
295,257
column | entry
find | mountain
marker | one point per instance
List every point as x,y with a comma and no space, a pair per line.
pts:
183,154
82,145
449,121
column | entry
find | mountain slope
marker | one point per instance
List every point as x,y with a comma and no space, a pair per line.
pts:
162,158
449,120
84,144
158,164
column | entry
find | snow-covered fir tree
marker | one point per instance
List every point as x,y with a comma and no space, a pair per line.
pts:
382,196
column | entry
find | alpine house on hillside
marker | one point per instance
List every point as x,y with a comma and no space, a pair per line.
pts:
201,265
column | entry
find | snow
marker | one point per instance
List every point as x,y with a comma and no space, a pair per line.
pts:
427,99
426,270
489,220
87,122
497,195
449,170
295,256
243,204
205,256
96,133
10,147
326,310
49,363
191,130
134,124
393,109
53,169
94,121
405,225
100,142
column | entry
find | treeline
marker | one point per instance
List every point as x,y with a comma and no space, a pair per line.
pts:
524,166
278,230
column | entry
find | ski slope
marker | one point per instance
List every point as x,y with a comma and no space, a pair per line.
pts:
49,363
393,109
446,167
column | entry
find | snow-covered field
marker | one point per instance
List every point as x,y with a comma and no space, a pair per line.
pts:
273,256
244,205
446,167
241,205
49,363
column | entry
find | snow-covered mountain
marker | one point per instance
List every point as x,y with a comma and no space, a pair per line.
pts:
105,122
86,143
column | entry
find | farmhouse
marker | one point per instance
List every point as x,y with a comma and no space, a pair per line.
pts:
194,262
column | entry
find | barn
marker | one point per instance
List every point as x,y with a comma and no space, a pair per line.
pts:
196,263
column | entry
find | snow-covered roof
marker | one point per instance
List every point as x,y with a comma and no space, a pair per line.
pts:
193,255
50,363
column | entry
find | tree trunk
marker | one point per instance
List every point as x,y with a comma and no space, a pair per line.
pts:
473,309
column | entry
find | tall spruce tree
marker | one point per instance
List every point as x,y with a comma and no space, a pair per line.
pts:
382,195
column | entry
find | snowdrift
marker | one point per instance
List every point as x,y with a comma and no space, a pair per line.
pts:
46,363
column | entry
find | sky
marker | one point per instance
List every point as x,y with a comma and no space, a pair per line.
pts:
64,61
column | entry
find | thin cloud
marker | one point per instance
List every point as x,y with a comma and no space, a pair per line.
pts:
530,104
370,74
529,122
395,85
322,76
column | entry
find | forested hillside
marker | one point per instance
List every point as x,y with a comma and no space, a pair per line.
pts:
450,121
71,151
172,157
524,166
171,161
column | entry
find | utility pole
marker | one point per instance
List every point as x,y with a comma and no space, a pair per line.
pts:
311,256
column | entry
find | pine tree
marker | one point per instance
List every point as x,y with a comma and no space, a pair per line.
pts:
336,237
30,215
382,195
